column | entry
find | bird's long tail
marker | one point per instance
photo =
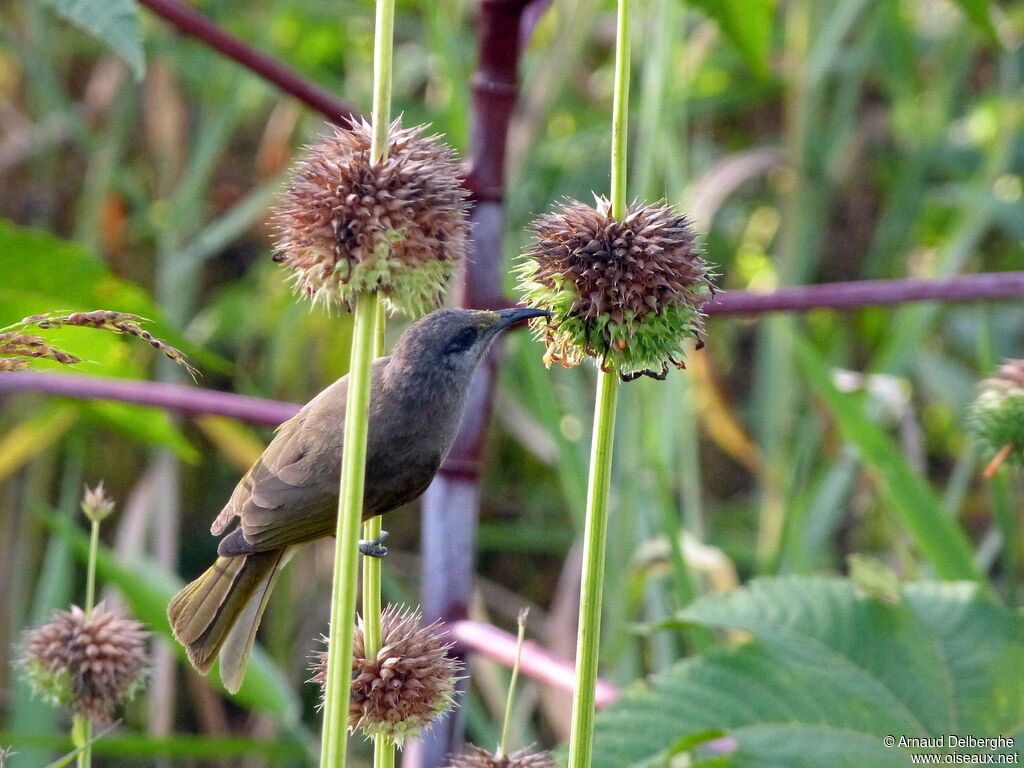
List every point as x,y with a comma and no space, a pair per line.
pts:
220,611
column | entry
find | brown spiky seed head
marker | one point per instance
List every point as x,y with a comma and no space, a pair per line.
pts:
407,685
627,292
398,227
481,758
90,664
996,417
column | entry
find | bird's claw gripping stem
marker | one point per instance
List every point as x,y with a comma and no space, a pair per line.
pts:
374,547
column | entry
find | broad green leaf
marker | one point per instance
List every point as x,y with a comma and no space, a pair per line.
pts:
830,673
747,24
911,498
42,273
114,22
150,425
31,437
148,589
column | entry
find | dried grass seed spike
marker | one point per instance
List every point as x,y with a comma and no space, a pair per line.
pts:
628,293
407,686
481,758
398,227
90,664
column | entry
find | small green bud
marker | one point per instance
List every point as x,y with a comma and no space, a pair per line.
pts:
996,418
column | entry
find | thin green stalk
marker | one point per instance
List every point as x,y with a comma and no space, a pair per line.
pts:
382,60
595,534
81,737
507,725
594,537
81,726
383,747
371,531
620,112
346,554
365,335
383,752
90,576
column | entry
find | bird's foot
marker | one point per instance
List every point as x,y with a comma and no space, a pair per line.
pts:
374,547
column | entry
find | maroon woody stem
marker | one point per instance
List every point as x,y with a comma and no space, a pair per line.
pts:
191,22
192,401
870,293
451,503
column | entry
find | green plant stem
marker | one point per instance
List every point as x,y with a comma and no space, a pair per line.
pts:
90,574
507,724
382,61
81,737
81,726
365,338
383,752
595,534
346,555
594,537
372,530
620,112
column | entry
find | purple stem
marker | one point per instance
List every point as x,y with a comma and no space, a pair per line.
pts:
190,401
191,22
193,401
451,504
870,293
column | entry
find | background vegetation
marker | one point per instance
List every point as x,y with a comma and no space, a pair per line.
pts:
812,141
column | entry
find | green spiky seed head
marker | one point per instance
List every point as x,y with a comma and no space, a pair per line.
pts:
628,293
406,686
996,417
89,664
398,227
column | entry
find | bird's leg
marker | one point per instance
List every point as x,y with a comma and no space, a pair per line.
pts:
374,547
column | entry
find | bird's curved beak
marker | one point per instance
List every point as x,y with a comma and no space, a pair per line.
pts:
510,317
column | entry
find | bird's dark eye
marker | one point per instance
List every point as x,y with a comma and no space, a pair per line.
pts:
463,340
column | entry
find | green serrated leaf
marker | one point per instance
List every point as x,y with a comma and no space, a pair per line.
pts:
831,672
114,22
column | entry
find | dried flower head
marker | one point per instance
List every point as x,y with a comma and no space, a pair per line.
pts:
997,415
409,683
398,227
91,664
626,292
8,364
96,505
481,758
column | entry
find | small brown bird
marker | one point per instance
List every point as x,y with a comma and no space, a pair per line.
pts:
290,495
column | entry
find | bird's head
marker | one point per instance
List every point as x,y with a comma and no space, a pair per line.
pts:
453,341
